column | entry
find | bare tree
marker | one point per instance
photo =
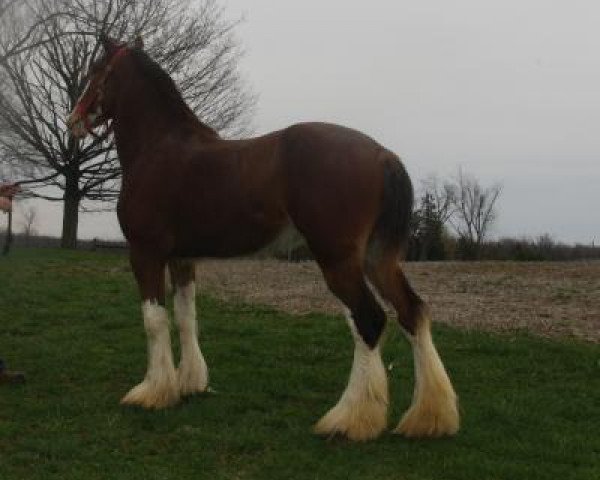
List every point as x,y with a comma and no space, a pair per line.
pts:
191,40
22,27
475,211
8,236
29,216
442,195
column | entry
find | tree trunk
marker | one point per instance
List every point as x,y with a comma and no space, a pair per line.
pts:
70,215
9,236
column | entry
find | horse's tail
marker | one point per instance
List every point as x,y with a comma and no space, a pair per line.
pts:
391,233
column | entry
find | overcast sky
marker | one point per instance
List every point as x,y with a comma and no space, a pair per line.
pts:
509,90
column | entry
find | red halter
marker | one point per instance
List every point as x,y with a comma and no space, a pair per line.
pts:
84,105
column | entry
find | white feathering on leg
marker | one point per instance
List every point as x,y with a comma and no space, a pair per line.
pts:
361,412
434,409
159,388
192,372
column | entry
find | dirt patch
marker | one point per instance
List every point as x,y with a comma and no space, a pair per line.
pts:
554,299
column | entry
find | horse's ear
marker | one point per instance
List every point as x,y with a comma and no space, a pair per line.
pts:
138,43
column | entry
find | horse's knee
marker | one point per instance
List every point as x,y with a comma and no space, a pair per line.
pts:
182,272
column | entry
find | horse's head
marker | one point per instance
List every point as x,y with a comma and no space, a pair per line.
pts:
94,105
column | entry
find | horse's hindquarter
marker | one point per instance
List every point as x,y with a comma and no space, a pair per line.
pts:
334,183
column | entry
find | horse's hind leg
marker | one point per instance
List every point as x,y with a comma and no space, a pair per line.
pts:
361,412
192,372
159,388
434,409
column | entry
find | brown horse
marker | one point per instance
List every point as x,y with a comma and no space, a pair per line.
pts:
187,193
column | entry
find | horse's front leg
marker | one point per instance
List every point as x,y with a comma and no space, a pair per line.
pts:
192,371
160,386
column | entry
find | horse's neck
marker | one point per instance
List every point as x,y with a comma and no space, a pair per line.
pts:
142,129
133,136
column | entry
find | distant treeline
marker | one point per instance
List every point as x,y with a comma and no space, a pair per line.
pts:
542,248
42,241
445,248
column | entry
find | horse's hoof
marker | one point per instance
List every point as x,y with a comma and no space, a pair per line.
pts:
418,423
152,396
193,381
345,422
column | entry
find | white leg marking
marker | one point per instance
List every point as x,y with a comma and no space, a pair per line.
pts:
192,372
434,409
361,412
159,388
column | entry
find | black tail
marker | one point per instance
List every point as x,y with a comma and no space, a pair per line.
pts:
393,226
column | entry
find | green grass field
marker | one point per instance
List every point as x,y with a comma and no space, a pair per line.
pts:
530,407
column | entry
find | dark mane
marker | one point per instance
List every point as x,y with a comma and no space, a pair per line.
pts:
166,89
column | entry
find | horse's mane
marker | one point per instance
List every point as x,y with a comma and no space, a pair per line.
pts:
167,89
